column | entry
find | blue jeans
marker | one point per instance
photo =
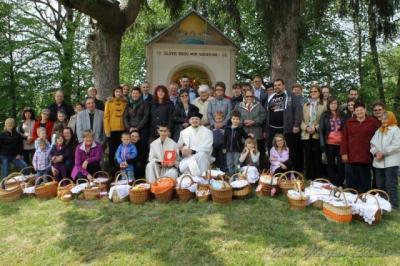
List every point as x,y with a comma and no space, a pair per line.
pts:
129,171
232,162
386,179
5,160
43,172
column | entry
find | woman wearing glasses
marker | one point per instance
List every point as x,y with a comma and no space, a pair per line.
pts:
312,111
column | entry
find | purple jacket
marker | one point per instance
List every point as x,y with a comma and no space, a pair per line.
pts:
95,154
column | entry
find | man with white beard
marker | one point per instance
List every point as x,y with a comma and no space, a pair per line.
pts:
195,144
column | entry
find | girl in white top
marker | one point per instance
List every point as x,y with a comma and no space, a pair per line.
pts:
250,155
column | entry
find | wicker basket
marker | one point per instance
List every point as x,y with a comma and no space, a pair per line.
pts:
102,185
115,197
11,193
243,192
379,213
285,182
163,189
64,189
267,188
184,194
46,190
297,203
339,214
319,203
139,196
92,191
223,195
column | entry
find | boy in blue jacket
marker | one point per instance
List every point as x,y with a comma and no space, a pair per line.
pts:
125,156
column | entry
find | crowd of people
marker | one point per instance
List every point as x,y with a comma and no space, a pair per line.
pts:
267,126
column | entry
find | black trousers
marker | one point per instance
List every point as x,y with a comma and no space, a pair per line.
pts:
113,142
28,156
293,141
360,178
312,152
91,168
263,157
335,172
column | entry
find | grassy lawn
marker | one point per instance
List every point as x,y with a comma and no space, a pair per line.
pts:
255,231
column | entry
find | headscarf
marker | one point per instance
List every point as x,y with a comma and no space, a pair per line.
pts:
391,121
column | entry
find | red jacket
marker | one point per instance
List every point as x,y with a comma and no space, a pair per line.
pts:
49,129
356,139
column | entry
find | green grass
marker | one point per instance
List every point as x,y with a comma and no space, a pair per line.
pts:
256,231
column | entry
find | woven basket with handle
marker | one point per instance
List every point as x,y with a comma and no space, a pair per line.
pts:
339,214
223,195
243,192
10,193
379,212
286,181
184,194
46,187
297,203
64,187
139,196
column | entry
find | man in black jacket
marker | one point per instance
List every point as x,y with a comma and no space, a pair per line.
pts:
60,105
284,115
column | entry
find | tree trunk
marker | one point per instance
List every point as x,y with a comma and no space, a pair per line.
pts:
67,53
105,48
284,46
374,51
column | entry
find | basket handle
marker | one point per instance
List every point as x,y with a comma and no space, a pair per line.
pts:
222,179
277,175
81,179
121,174
183,177
265,171
234,177
298,176
27,168
376,191
43,177
101,172
297,186
322,180
337,192
70,182
3,182
140,179
282,178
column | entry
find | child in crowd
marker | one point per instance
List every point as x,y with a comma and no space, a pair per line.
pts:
59,126
42,136
218,141
233,142
125,155
250,155
279,155
57,154
41,159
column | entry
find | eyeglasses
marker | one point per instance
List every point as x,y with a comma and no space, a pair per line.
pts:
184,95
378,110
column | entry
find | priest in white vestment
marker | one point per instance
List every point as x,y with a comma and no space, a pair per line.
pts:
158,147
195,144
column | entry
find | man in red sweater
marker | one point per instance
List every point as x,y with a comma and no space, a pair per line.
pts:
355,147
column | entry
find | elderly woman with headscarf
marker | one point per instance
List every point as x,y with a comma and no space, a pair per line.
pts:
385,147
